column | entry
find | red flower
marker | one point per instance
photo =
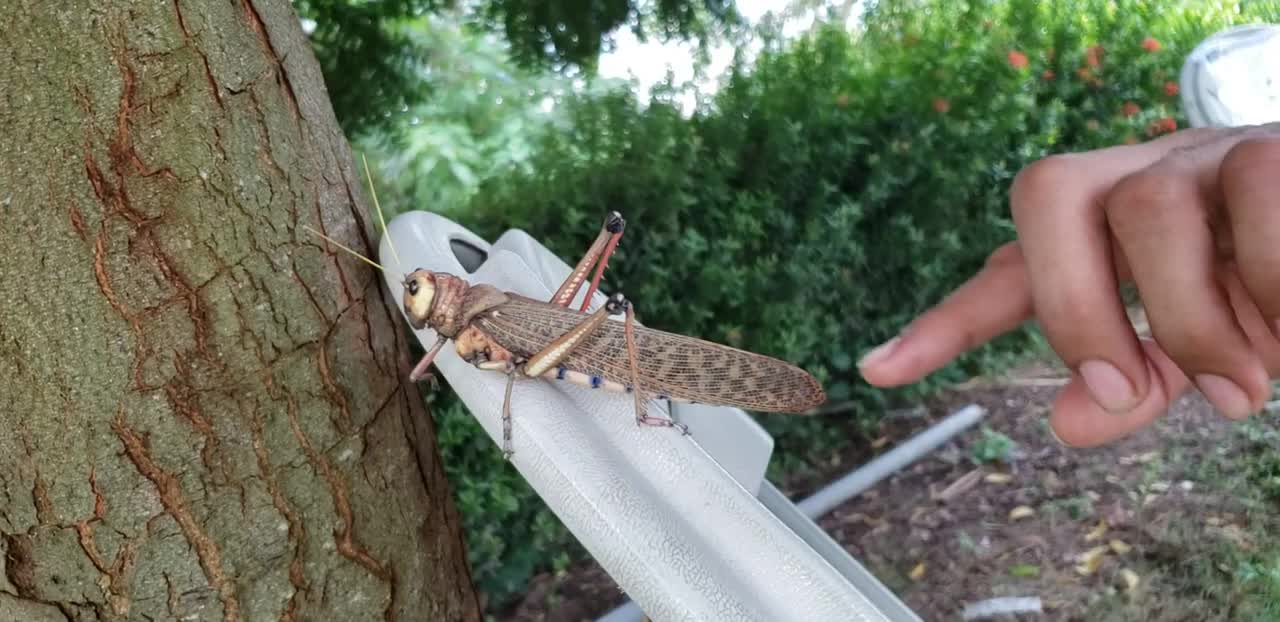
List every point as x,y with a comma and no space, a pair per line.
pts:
1150,44
1017,59
1163,125
1047,75
1130,109
941,105
1093,55
1084,73
1170,88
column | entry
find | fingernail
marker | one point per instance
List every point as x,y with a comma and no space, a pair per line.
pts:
1110,389
1057,439
1225,395
879,353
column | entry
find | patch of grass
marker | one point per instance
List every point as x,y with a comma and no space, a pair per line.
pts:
1076,508
991,446
1202,562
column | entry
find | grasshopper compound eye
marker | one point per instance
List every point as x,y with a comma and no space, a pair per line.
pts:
412,286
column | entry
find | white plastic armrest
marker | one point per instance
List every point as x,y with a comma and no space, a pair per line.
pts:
673,528
1231,78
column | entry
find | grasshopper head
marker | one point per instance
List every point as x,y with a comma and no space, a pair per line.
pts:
419,294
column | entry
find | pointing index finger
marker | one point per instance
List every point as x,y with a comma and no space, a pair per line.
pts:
993,302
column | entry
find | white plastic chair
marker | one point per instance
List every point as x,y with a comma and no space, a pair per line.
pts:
675,520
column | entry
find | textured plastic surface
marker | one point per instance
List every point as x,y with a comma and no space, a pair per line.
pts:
684,538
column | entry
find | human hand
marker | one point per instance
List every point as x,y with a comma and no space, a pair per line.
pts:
1192,218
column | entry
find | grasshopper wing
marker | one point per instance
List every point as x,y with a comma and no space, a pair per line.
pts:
670,365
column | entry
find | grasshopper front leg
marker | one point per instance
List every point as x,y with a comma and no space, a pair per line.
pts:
538,364
420,370
510,369
597,255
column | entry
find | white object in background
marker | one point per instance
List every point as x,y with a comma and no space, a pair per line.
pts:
673,528
1233,78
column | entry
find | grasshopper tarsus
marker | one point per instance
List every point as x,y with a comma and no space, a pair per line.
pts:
661,422
613,223
617,304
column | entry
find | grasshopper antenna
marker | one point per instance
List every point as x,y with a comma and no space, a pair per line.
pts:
378,207
341,246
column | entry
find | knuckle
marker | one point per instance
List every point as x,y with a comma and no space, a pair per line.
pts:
1193,346
966,339
1261,276
1007,254
1271,362
1139,198
1073,321
1256,155
1042,178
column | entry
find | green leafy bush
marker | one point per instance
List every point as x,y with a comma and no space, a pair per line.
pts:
511,535
830,192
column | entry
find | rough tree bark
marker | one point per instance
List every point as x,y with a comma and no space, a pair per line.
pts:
201,411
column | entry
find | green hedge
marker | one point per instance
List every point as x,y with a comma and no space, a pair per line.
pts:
832,190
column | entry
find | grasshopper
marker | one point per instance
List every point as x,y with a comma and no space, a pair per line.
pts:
527,338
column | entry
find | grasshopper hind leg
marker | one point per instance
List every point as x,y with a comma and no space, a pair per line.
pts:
618,304
597,256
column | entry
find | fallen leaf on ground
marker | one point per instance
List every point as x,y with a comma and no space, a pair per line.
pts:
1091,559
1130,579
1097,532
1141,458
918,572
1025,570
963,484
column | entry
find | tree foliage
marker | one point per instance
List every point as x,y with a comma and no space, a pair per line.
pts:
374,60
481,119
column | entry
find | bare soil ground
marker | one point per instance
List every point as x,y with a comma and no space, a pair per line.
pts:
1167,525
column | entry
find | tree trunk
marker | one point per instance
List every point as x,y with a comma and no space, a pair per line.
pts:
202,414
